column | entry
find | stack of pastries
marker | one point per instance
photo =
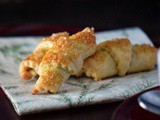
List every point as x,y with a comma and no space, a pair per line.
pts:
57,57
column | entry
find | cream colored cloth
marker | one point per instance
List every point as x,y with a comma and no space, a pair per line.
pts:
74,92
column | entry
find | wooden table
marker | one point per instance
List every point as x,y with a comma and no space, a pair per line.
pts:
91,112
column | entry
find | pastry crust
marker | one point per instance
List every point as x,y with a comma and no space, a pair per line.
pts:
64,59
29,67
144,58
100,65
117,57
116,48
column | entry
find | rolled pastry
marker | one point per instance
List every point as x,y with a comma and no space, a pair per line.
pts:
29,67
64,59
118,57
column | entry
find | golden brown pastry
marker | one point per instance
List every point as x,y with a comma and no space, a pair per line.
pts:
29,67
64,59
118,57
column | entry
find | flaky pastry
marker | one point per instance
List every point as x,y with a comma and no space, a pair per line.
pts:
29,67
64,59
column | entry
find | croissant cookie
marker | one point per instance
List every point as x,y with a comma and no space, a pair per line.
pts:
29,67
64,59
118,57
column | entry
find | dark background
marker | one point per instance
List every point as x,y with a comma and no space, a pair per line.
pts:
101,14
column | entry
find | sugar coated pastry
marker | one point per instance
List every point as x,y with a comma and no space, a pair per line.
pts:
29,67
64,59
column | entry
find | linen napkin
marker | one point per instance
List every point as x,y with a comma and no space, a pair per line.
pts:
75,91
